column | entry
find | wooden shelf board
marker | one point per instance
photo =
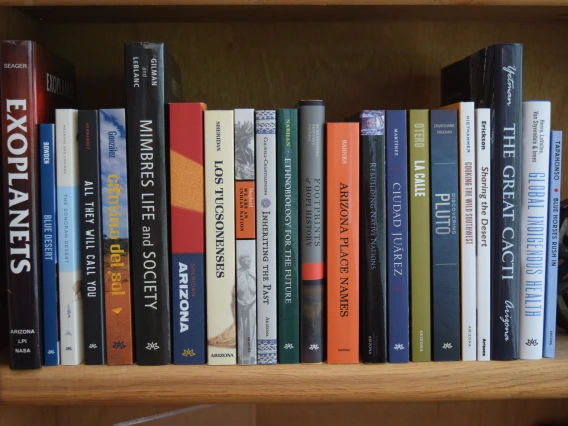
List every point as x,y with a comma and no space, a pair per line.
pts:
288,383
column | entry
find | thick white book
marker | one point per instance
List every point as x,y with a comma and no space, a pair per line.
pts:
220,237
468,265
534,220
266,235
245,208
68,234
483,191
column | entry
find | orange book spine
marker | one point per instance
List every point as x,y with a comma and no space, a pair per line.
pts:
343,243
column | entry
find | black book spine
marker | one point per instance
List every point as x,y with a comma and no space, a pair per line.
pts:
20,196
146,80
373,296
506,205
91,237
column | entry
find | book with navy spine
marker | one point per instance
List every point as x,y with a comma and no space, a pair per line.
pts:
446,330
49,245
493,78
397,236
34,83
551,287
187,198
373,216
147,95
91,238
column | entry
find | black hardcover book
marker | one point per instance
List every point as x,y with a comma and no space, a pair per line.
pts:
373,291
152,81
492,78
91,237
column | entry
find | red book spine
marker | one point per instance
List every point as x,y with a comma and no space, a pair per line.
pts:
21,203
343,243
187,208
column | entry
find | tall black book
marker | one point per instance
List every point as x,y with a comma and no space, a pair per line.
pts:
373,290
91,236
152,81
492,78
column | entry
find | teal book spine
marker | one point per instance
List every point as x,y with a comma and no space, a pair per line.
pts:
288,236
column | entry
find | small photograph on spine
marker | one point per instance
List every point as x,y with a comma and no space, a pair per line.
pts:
534,220
266,231
245,205
187,208
69,259
555,176
220,237
49,245
116,237
483,190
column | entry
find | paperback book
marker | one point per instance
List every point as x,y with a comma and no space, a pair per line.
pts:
116,237
245,209
68,238
266,230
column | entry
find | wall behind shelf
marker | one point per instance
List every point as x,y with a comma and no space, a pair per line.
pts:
351,65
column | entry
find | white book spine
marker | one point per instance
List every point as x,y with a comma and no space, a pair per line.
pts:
245,207
68,234
266,235
534,220
220,237
483,190
467,230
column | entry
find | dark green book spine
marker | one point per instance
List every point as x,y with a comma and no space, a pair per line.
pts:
288,236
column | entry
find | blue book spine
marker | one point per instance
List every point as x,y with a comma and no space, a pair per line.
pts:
551,285
49,245
445,236
397,229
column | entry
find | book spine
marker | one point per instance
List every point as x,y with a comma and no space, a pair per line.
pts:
551,296
21,205
343,251
245,232
187,207
483,241
373,280
288,236
397,230
534,220
419,231
145,112
506,196
220,235
312,230
266,230
445,236
91,238
116,237
49,245
466,117
68,237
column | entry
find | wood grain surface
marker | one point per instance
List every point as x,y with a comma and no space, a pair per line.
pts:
206,384
450,413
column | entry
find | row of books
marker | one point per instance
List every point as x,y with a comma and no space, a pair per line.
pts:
270,236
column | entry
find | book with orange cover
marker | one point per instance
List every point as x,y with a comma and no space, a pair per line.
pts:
343,243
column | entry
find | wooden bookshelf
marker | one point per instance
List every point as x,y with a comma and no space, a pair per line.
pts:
271,53
171,385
